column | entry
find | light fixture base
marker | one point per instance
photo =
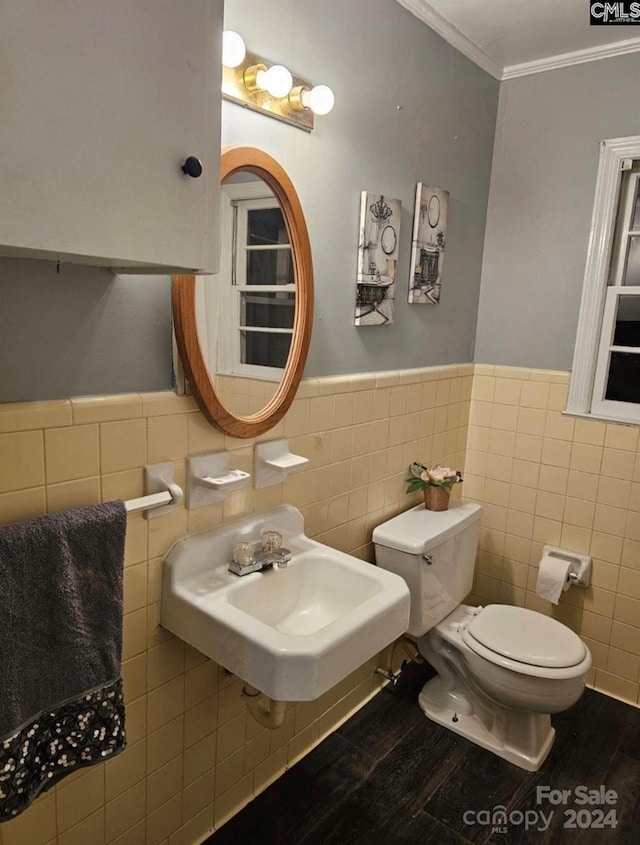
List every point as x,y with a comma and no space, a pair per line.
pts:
295,97
250,77
237,81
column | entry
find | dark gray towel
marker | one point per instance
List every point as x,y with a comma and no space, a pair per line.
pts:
61,640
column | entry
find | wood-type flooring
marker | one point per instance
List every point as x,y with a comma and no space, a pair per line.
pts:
389,776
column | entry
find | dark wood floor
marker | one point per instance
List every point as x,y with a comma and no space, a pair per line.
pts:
389,775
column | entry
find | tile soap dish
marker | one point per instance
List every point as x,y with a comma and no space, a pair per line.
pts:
226,483
274,461
210,478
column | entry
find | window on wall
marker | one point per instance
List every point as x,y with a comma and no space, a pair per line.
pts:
605,378
258,307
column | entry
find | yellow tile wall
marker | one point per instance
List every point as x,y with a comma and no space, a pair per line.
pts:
195,756
244,395
544,477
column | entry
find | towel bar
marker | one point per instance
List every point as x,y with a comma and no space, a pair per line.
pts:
155,500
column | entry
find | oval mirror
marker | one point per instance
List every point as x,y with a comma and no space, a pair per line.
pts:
433,211
243,335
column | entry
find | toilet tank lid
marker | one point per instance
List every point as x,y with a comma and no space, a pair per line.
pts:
418,530
526,637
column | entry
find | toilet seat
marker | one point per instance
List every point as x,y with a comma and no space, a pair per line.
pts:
526,642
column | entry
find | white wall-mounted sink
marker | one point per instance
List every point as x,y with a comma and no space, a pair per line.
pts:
294,632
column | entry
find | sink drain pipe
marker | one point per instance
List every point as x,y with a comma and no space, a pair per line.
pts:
267,712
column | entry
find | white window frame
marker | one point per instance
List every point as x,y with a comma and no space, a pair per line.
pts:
230,359
599,299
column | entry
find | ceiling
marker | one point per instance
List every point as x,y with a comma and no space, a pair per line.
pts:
516,37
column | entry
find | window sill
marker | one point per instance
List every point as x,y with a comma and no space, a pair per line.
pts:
601,417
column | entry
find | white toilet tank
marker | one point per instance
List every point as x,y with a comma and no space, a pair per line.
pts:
435,553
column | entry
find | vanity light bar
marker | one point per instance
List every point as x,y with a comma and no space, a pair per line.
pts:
257,84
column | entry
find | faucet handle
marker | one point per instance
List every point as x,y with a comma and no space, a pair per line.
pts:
271,541
243,553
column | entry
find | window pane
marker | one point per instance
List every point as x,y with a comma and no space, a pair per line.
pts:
269,267
632,270
265,349
635,214
265,226
623,384
627,330
269,310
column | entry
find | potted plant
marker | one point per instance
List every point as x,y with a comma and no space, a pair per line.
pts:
436,484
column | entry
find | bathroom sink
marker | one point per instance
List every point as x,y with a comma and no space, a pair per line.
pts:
305,599
292,633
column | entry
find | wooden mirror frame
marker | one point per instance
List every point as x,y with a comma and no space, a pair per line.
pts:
251,160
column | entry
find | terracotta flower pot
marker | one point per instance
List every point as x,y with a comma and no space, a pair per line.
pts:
436,498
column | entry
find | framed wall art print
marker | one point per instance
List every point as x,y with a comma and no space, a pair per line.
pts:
427,244
377,259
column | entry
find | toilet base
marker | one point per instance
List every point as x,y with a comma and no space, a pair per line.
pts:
528,740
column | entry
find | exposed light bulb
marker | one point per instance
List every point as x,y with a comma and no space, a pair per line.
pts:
233,49
320,99
277,81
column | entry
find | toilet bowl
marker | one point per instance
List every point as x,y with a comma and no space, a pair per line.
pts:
502,670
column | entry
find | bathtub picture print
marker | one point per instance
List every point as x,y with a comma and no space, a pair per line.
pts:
377,259
427,245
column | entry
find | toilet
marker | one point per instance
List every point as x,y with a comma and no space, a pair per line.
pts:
502,670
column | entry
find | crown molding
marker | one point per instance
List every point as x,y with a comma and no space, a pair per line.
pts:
422,10
578,57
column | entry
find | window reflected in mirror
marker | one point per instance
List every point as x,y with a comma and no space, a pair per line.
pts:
248,311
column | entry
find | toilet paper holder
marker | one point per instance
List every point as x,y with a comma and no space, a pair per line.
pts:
580,573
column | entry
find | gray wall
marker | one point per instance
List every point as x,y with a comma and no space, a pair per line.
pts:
81,332
408,108
542,187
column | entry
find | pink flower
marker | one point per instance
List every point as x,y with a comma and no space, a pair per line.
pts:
422,477
440,473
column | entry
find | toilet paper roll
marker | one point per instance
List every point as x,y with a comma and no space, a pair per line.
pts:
553,577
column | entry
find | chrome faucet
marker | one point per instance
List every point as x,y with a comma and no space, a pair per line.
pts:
262,560
278,557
